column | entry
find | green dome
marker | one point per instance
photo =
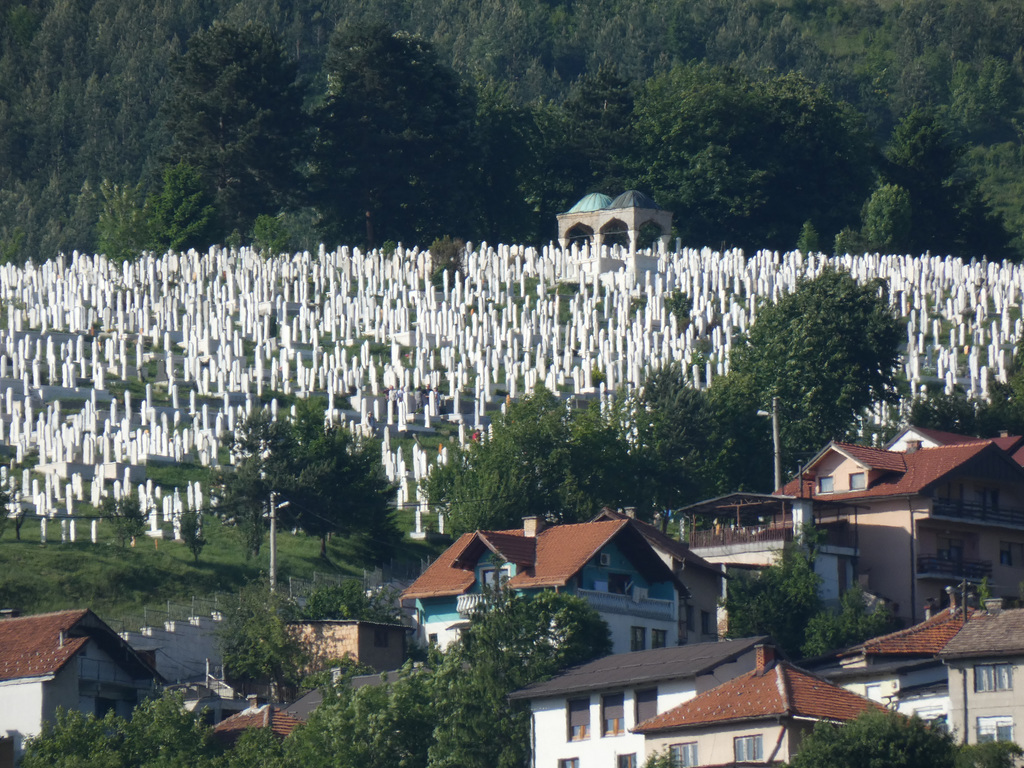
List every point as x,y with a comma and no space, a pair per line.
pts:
595,201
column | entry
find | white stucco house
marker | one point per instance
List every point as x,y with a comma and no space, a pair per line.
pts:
585,716
69,659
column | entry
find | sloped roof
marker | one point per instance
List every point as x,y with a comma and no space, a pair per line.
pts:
927,638
677,549
641,667
986,634
782,690
560,552
873,458
923,468
632,198
267,716
30,645
595,201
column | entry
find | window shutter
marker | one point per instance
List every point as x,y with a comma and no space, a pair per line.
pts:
646,704
579,712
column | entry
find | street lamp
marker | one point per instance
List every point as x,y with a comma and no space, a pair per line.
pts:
274,506
775,440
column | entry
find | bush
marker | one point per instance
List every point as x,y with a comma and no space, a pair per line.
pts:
446,253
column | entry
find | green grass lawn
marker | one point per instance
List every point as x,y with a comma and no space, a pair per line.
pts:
116,582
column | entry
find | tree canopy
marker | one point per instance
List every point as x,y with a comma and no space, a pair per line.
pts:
827,350
542,459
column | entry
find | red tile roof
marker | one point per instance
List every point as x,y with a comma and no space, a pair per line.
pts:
267,716
782,690
925,639
873,458
923,468
561,551
30,646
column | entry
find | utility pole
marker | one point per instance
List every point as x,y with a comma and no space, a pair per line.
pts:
273,541
775,442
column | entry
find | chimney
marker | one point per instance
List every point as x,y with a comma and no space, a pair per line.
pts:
952,599
629,512
253,701
532,526
61,637
9,613
765,655
1004,433
913,446
929,608
993,605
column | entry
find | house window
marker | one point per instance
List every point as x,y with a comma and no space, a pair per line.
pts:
637,638
951,549
492,577
690,627
993,677
618,583
432,638
579,719
683,755
613,715
659,638
995,729
569,762
380,637
858,481
824,485
747,748
1011,552
626,761
646,704
707,626
103,706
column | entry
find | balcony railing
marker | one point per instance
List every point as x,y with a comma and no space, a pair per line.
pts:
962,510
836,535
627,605
466,604
932,565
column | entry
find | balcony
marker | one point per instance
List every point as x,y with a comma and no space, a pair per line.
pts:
955,509
934,567
467,604
626,605
772,536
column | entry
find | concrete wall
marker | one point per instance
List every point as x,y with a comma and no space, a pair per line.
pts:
1008,703
551,727
715,745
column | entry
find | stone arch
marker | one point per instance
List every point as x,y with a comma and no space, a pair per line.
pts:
650,234
615,232
579,233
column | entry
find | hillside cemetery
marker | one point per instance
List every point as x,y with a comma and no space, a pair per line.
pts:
108,370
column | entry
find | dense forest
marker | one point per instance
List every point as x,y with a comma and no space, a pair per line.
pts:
850,124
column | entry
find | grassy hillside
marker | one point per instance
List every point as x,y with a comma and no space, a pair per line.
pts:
117,582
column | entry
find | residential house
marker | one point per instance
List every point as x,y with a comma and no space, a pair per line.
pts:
904,524
757,718
704,581
986,676
69,659
379,646
256,715
901,670
584,717
608,562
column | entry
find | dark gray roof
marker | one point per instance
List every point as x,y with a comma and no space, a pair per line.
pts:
639,667
985,634
631,198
